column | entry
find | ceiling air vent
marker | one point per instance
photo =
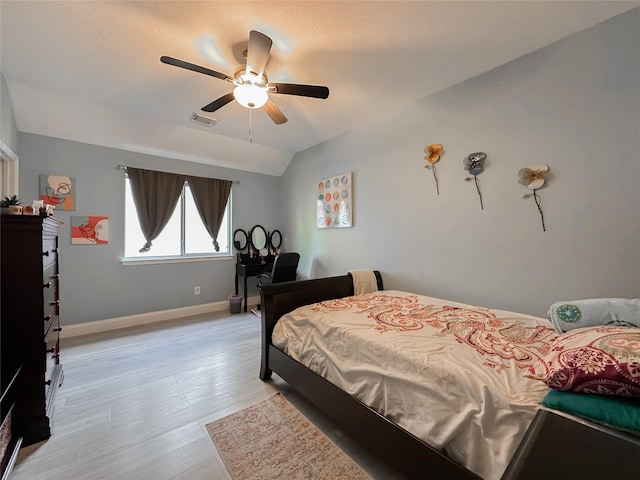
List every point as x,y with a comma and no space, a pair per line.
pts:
204,120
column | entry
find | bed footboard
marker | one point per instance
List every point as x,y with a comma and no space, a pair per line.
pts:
278,299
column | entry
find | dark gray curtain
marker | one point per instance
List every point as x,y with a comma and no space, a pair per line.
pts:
155,195
210,196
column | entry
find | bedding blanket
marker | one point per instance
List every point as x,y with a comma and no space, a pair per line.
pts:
464,379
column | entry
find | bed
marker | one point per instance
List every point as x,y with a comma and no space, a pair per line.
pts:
464,423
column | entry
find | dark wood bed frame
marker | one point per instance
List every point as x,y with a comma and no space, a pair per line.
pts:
554,446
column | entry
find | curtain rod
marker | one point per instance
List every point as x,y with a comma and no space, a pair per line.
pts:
124,167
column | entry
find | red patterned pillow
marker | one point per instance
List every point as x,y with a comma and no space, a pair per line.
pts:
602,360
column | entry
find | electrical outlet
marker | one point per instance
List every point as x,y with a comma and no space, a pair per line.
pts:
196,290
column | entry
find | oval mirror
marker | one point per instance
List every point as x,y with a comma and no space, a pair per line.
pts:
258,237
240,239
275,240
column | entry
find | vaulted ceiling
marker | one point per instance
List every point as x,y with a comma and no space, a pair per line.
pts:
91,71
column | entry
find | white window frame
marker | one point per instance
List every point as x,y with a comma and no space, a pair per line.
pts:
183,257
9,164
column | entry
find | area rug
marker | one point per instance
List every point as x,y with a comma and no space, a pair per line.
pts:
273,440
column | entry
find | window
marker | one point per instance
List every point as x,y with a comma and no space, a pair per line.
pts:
8,171
184,236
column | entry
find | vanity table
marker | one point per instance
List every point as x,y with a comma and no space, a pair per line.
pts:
250,267
262,251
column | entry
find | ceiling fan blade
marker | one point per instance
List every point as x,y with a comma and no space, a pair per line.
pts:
315,91
219,103
274,112
196,68
257,53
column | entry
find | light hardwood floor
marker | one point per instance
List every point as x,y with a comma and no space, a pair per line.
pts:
135,402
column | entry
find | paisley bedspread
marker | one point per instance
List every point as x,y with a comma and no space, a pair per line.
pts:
461,378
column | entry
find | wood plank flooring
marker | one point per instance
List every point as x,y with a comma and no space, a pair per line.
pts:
135,402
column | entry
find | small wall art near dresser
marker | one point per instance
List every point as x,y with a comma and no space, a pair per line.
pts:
30,326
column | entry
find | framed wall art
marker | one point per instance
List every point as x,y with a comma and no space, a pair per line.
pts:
334,198
59,191
89,230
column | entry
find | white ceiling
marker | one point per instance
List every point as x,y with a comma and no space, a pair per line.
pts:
91,71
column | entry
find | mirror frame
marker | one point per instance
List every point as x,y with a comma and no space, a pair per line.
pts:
272,243
236,242
256,229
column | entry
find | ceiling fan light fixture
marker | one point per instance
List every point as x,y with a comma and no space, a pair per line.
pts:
251,85
251,96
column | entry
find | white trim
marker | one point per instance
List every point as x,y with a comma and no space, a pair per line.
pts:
132,261
108,324
10,170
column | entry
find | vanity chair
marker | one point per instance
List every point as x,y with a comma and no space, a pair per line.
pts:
284,269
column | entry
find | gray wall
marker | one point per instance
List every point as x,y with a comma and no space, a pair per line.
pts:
574,105
94,284
8,129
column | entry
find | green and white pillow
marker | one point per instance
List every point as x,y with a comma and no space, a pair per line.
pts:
593,312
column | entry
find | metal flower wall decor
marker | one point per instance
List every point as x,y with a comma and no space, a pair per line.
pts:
434,152
534,178
474,164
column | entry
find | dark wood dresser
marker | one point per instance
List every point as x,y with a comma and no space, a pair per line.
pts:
30,326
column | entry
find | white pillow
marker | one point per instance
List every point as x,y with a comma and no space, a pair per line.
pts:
594,312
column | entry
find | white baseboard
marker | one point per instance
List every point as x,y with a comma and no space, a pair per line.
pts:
105,325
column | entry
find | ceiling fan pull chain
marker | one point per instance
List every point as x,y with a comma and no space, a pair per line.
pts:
250,122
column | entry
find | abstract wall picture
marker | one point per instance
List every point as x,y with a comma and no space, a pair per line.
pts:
335,201
89,230
59,191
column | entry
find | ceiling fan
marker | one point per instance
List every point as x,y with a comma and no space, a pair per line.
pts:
252,87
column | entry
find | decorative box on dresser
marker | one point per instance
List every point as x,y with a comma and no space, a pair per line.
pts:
31,369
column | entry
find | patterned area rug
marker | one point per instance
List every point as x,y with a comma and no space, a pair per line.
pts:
273,440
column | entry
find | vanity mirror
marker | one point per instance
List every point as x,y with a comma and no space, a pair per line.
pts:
240,239
275,240
259,240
